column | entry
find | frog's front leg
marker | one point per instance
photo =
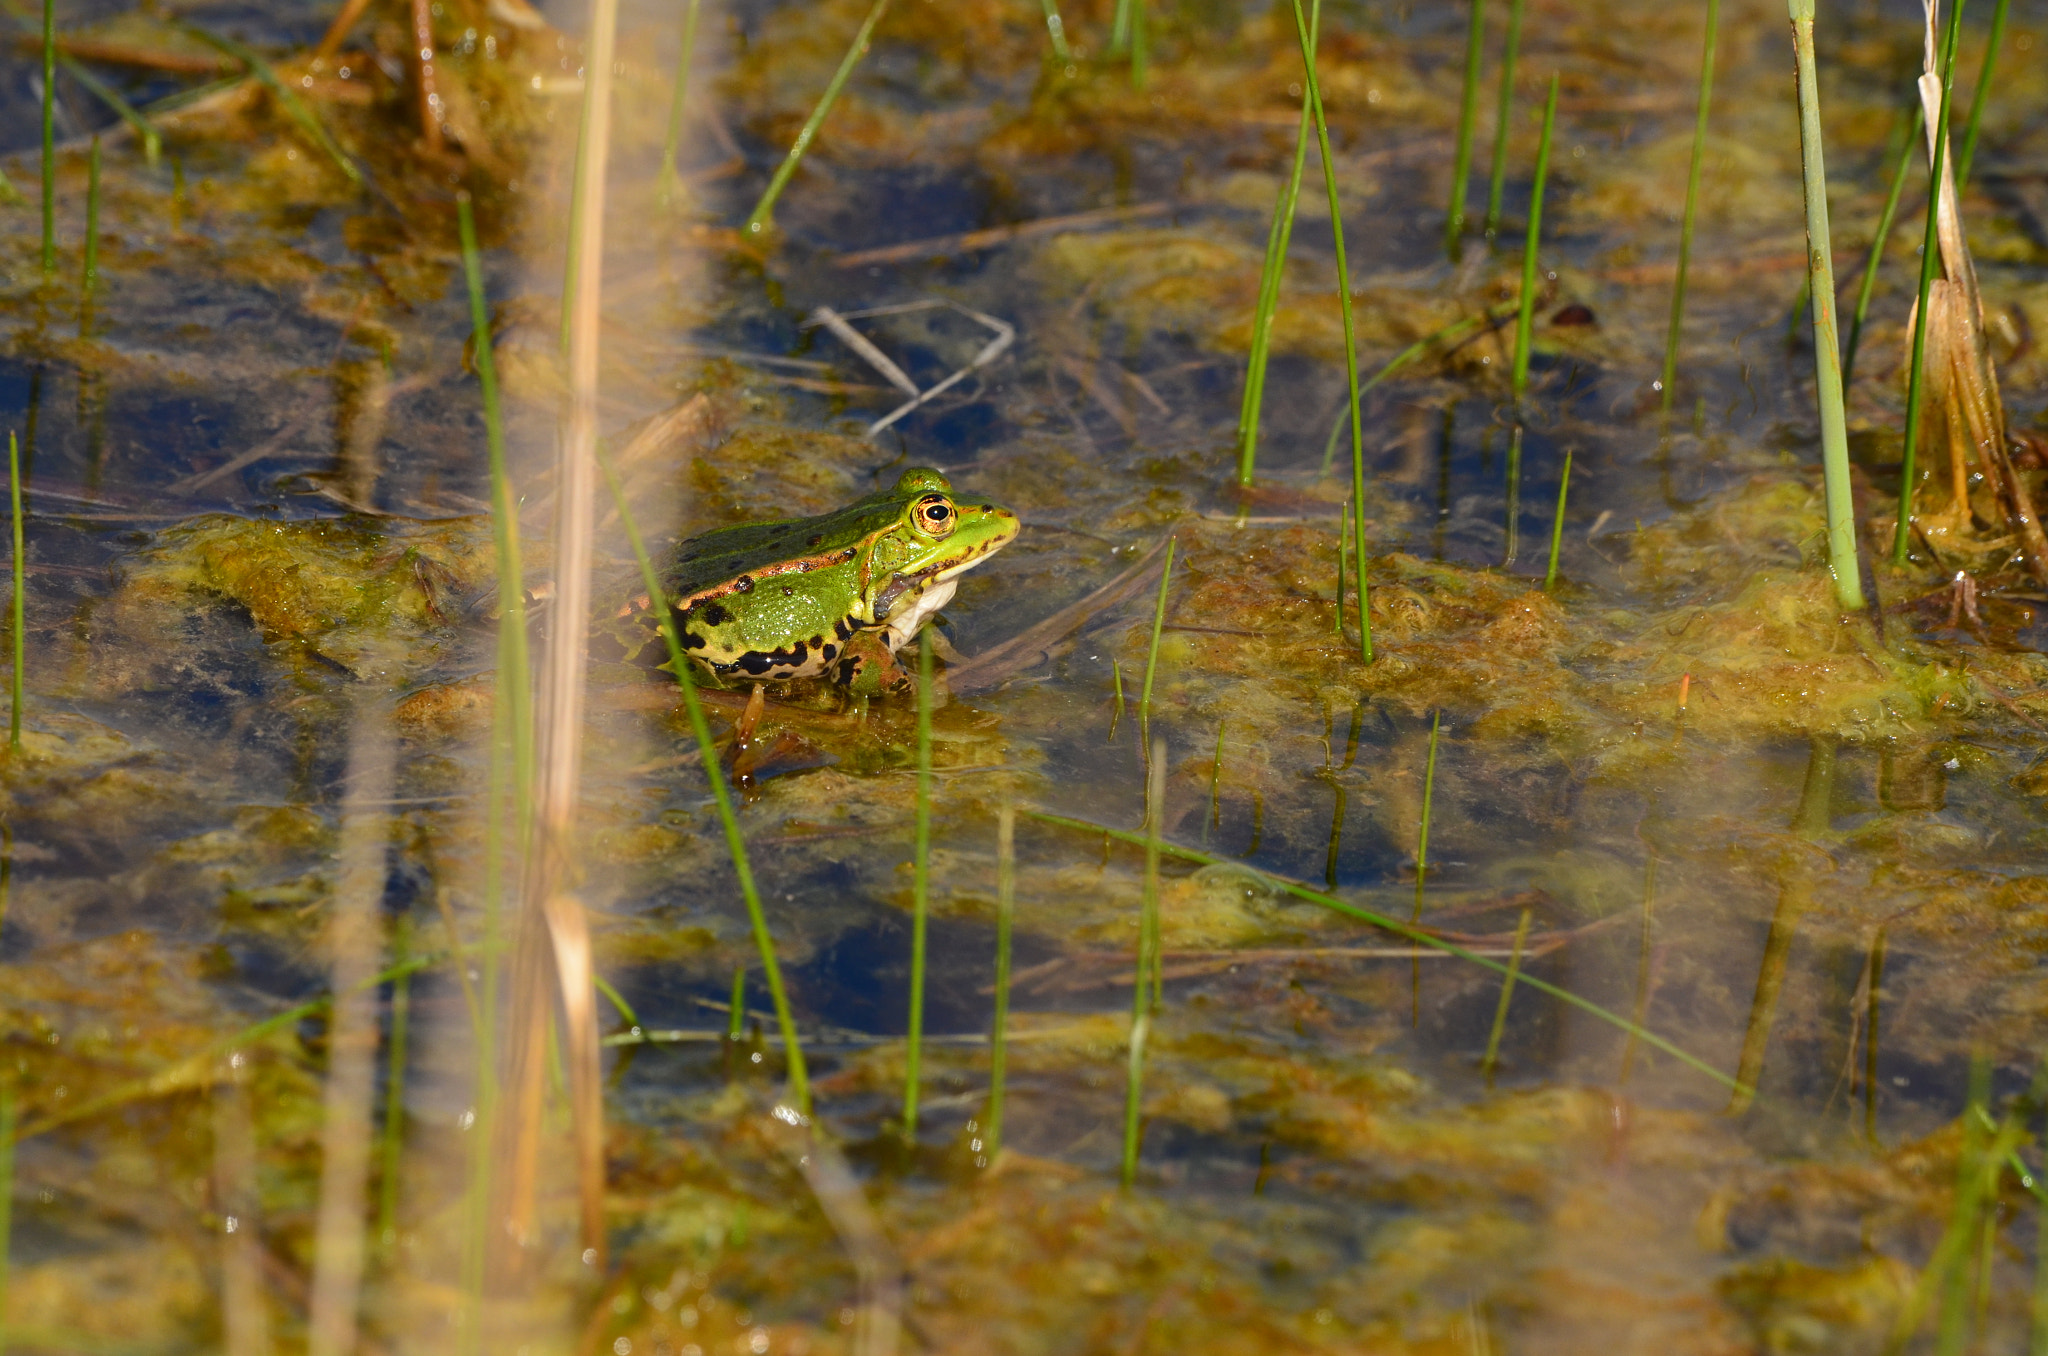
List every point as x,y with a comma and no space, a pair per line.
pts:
867,667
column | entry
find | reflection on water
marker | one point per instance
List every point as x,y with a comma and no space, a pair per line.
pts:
1803,849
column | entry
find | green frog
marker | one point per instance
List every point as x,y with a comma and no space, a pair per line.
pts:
833,596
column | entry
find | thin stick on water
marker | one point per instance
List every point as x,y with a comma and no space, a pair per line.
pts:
1134,1095
1307,40
1149,950
1930,250
49,139
17,611
736,1008
920,888
1057,31
1507,993
1152,649
1827,351
1877,245
1417,935
1564,483
665,186
1468,116
762,219
1006,909
1116,687
1525,314
1278,237
714,773
1977,101
1692,197
353,944
1497,181
393,1144
90,275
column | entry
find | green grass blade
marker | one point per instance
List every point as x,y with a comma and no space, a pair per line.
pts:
1930,251
762,219
1152,649
1513,509
9,194
1457,329
1525,313
736,1009
714,773
1564,484
1343,536
665,188
1307,39
17,610
1057,31
1215,818
49,138
294,107
1507,994
1120,28
1278,236
1878,243
1150,967
1409,931
920,888
145,130
6,1196
1827,349
1468,117
1006,910
1141,44
1497,180
1436,726
1977,101
1134,1096
1692,198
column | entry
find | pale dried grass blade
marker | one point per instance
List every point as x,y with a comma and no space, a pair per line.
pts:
245,1318
354,941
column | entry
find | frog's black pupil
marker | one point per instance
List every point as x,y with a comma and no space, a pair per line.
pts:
937,513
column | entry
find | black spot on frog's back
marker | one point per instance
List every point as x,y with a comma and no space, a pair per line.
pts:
711,613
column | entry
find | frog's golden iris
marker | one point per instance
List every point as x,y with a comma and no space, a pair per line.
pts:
833,596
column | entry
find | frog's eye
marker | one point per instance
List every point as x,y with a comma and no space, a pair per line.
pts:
935,516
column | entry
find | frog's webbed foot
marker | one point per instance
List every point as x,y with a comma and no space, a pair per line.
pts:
867,667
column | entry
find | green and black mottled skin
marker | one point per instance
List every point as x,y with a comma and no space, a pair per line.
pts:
833,596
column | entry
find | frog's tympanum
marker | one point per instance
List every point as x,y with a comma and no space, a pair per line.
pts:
833,596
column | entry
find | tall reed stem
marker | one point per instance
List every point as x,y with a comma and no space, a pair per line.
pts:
17,610
1497,181
721,796
762,218
1878,243
1468,117
920,887
1152,649
1525,316
1564,483
1977,101
49,138
1307,39
1827,351
1057,31
1930,251
1006,910
1278,236
665,187
1692,197
1134,1095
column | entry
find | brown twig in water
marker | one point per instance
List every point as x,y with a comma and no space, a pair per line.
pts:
964,241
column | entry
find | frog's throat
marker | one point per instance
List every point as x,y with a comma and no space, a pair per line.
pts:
902,628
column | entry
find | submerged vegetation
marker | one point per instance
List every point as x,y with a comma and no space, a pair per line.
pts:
408,945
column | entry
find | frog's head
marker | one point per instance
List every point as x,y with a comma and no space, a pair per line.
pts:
935,538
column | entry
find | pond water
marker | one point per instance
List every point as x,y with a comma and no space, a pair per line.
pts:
1800,850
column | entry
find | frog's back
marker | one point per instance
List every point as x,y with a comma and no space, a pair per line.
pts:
719,557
